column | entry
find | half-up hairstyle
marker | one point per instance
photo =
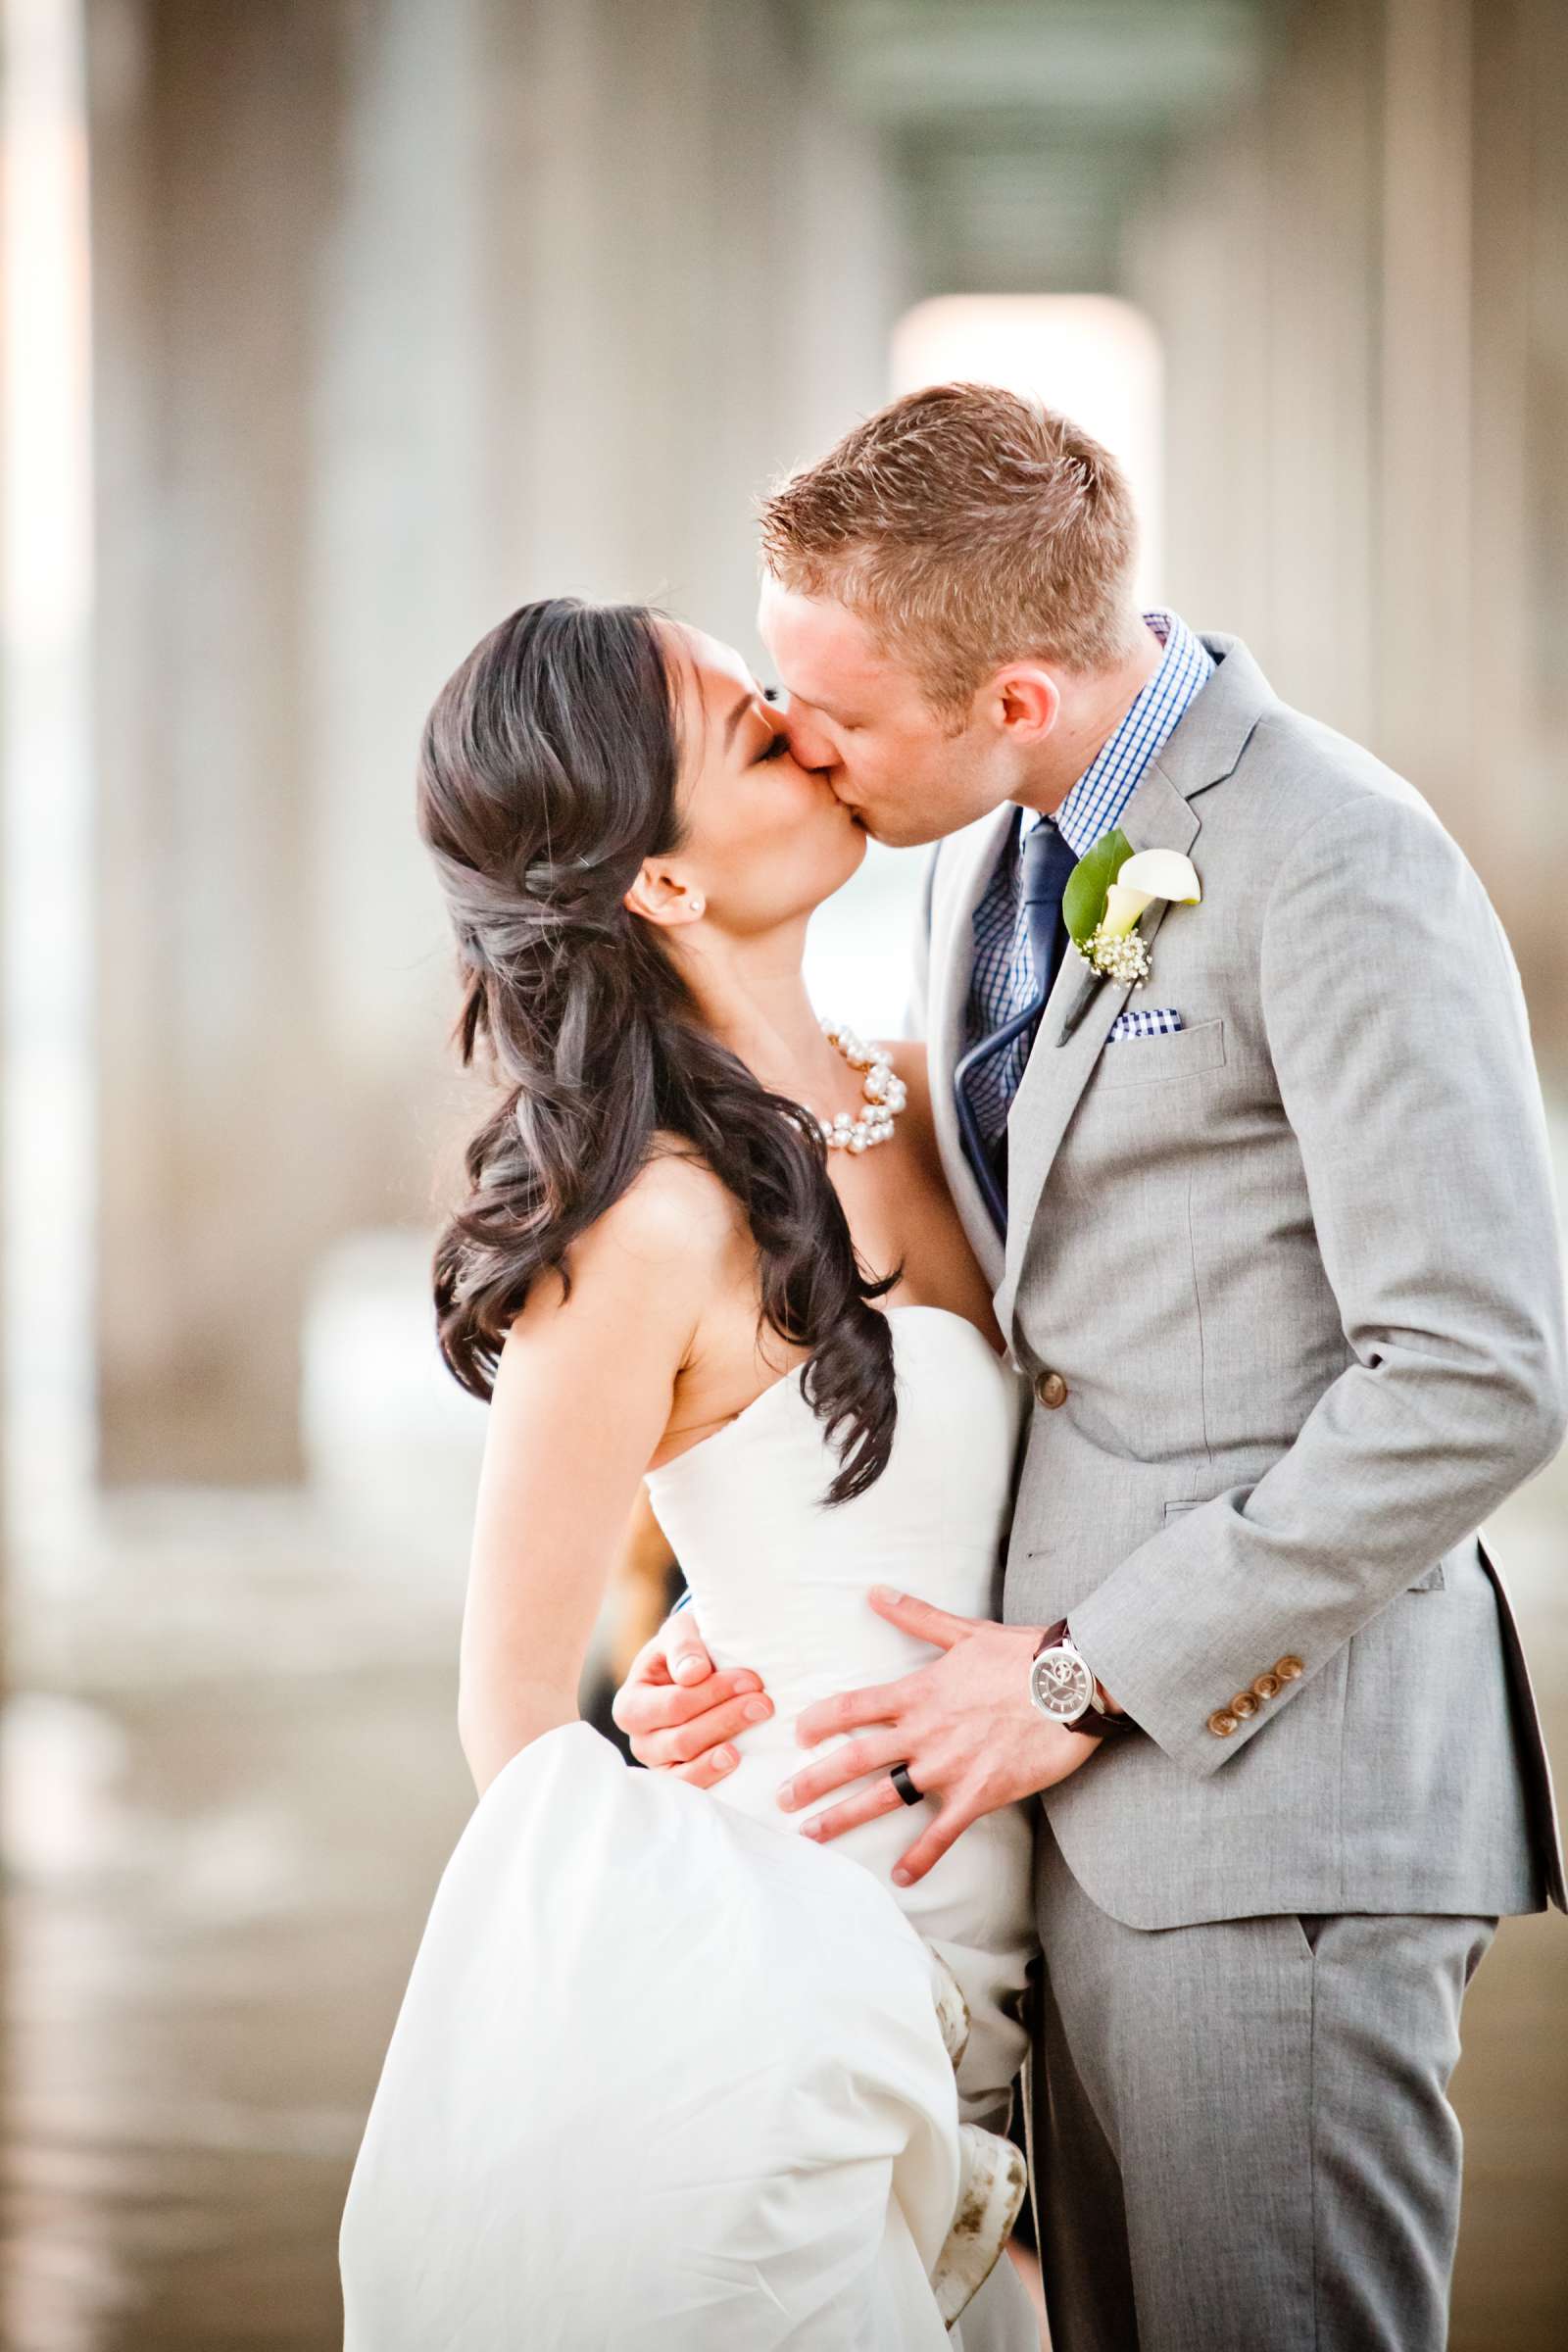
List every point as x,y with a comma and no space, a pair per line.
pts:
546,775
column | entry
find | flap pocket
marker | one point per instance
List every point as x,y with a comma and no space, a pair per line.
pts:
1146,1061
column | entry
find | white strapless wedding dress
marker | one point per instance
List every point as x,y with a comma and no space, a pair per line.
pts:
667,2076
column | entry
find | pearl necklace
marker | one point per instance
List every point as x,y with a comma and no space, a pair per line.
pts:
885,1093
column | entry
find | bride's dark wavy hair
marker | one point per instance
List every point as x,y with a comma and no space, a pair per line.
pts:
546,775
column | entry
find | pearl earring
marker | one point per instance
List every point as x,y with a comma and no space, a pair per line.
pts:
698,905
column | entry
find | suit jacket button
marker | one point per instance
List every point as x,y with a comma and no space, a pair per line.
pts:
1222,1723
1289,1670
1244,1704
1267,1685
1050,1389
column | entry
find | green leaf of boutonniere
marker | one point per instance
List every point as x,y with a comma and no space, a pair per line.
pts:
1083,902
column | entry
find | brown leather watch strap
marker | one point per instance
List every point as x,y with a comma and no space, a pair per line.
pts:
1094,1720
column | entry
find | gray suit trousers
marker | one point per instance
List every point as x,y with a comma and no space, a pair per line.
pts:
1240,2131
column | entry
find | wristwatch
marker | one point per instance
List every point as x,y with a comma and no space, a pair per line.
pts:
1062,1685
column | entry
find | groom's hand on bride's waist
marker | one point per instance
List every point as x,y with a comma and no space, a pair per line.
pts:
678,1713
964,1728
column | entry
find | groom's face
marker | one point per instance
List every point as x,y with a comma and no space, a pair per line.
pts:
863,722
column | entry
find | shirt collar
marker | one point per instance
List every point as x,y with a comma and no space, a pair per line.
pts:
1096,800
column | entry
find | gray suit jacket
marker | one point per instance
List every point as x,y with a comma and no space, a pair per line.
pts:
1296,1265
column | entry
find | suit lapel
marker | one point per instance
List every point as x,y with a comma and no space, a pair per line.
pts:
968,864
1080,1013
1202,750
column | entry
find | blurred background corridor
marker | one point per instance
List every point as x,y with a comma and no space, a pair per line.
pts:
332,330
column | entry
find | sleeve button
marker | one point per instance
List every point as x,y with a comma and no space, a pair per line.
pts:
1289,1670
1222,1723
1244,1704
1267,1685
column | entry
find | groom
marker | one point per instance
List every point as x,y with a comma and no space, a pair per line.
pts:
1272,1237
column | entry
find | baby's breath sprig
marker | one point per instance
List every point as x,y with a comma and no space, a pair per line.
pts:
1119,956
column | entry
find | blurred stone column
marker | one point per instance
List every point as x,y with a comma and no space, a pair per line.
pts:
1361,285
403,314
1519,527
599,271
215,143
1424,583
406,562
1257,258
688,281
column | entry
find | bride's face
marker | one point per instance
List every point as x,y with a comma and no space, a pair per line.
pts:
764,840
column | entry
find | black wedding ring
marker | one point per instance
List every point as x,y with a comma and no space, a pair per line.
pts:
900,1777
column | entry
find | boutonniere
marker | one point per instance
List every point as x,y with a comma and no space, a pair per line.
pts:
1108,893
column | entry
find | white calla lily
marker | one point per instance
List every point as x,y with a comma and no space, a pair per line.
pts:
1123,908
1161,874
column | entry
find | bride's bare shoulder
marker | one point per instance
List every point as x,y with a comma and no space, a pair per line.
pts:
675,1230
675,1210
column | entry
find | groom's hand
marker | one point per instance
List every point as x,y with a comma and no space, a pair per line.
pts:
678,1714
964,1726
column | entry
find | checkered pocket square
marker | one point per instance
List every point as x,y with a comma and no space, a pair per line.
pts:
1164,1021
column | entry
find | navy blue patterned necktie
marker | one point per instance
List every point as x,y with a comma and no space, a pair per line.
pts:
1045,861
1049,857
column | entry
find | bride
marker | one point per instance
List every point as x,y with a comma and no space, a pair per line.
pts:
668,2074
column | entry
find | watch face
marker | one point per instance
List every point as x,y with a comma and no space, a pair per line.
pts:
1061,1685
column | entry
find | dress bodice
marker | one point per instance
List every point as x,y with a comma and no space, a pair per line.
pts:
779,1581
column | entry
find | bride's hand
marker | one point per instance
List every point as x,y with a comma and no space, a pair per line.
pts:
678,1713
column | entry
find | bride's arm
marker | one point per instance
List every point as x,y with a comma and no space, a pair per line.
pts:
639,1588
583,1396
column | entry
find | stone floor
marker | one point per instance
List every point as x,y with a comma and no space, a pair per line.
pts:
231,1780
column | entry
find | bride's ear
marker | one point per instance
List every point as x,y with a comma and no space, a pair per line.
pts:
663,897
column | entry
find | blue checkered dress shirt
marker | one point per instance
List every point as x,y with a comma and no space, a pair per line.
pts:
1002,981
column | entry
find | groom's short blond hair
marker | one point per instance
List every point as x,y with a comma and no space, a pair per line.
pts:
968,528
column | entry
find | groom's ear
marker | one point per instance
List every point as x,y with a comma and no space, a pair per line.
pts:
663,897
1024,699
